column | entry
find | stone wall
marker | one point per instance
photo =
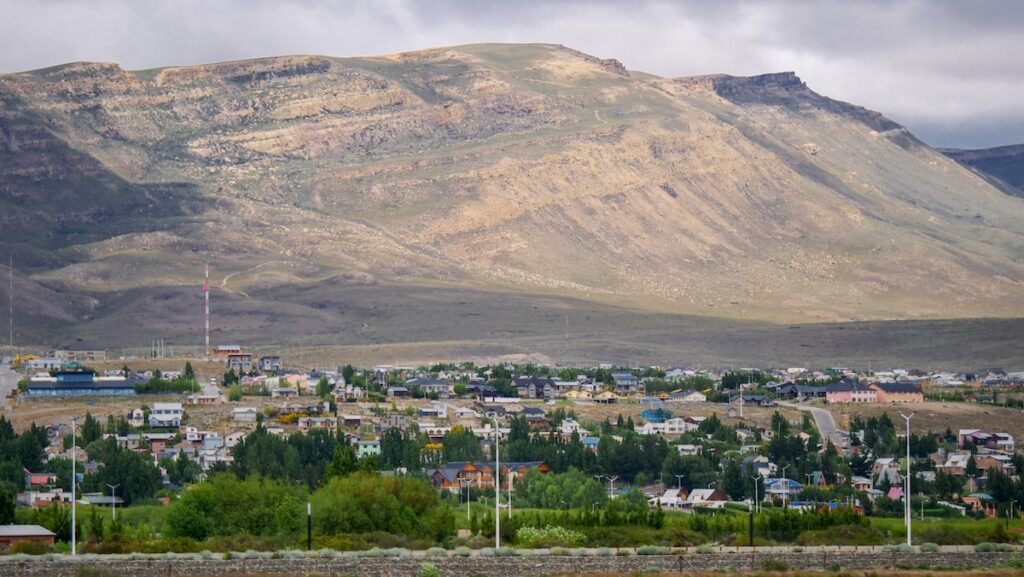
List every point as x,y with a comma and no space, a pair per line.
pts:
496,566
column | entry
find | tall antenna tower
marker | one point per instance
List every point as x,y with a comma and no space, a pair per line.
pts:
206,308
10,303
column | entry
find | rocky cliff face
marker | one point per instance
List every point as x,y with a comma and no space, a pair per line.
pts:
525,168
1002,165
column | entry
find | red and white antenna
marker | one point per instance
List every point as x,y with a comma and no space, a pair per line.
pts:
206,310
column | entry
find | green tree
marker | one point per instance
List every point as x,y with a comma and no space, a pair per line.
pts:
235,392
189,374
91,429
6,507
134,472
323,388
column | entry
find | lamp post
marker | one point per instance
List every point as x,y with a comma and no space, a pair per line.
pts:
309,526
611,486
465,484
757,505
785,488
1009,512
497,490
679,481
906,508
511,479
113,499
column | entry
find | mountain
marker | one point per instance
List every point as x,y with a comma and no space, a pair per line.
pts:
479,193
1002,165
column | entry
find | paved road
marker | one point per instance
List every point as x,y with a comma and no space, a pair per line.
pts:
823,419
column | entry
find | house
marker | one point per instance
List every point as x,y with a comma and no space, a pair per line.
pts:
793,391
466,413
713,498
165,415
669,428
240,362
428,385
39,479
367,448
398,392
210,395
606,397
244,414
11,535
687,397
850,391
225,350
270,364
137,418
80,352
569,426
658,415
453,476
753,400
859,483
689,450
351,421
670,499
310,423
992,441
283,392
783,488
534,387
626,383
897,392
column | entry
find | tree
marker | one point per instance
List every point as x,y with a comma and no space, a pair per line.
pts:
344,462
134,472
6,507
91,429
347,372
323,388
235,392
189,373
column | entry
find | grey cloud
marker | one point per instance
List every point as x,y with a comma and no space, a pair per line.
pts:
950,70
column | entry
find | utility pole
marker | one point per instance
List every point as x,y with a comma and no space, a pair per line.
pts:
113,499
511,479
785,488
497,488
206,308
74,455
309,526
679,481
906,508
611,486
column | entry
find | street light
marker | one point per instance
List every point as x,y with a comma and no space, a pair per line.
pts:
906,508
712,484
74,456
757,505
113,499
1009,512
611,486
679,481
785,487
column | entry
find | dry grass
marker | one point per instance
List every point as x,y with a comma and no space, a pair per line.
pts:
936,416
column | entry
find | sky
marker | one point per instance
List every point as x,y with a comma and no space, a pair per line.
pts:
951,71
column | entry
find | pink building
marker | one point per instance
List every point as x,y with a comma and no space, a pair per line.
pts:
848,391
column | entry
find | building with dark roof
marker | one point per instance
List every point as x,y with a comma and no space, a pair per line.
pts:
898,392
79,384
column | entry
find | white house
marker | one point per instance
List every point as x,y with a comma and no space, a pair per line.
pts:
165,415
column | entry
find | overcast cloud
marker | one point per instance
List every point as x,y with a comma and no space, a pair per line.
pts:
951,71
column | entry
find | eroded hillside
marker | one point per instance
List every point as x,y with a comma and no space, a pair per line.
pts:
531,169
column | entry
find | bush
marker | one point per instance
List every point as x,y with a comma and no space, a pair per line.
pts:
705,549
549,536
31,548
437,552
652,550
328,553
988,547
929,547
505,552
901,548
604,552
462,551
429,570
558,552
775,565
945,535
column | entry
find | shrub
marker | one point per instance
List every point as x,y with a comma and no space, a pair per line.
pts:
578,552
505,552
901,548
524,552
549,535
705,549
462,551
652,550
929,547
558,552
429,570
775,565
328,553
604,552
31,548
842,535
487,552
437,552
292,554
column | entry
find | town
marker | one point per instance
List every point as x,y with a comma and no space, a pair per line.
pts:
603,456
